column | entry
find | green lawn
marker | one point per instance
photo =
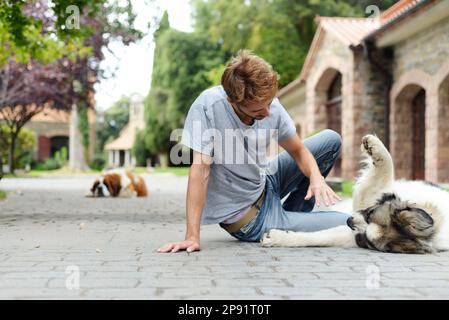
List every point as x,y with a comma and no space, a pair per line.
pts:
55,173
2,195
179,171
346,189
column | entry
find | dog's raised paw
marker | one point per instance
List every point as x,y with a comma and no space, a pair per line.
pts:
374,147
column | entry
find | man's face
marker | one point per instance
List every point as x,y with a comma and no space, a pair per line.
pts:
257,110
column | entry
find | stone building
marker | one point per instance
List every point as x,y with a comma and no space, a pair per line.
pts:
120,150
387,75
52,130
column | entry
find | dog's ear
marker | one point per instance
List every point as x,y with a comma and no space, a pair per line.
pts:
414,222
112,182
409,246
94,186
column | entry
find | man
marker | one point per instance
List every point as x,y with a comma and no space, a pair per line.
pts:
245,197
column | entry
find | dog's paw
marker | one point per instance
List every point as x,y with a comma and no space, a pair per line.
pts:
374,147
276,238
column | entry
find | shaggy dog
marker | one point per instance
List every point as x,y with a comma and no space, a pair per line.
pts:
389,215
119,183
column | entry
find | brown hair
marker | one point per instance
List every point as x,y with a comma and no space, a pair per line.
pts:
249,78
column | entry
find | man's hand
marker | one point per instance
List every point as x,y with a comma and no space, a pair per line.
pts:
188,245
320,189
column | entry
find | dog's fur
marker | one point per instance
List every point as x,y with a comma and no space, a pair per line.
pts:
119,183
388,215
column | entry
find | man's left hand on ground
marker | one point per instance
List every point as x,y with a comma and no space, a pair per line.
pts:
321,190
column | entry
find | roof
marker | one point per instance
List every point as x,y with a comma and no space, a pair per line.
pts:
398,9
125,141
352,32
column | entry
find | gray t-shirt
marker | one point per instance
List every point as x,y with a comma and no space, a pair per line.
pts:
237,175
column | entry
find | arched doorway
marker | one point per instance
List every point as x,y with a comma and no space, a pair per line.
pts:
57,143
333,113
328,108
419,135
443,132
408,133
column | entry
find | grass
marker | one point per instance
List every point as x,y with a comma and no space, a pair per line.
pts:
346,189
53,173
2,195
178,171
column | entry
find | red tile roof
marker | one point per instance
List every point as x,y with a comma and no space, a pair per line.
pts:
350,31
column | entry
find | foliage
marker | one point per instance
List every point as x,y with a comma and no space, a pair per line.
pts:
280,31
181,71
98,162
24,146
2,195
34,34
111,121
140,150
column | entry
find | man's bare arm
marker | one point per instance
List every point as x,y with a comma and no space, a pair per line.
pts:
307,164
196,196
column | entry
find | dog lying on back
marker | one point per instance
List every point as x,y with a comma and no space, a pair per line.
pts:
119,183
388,215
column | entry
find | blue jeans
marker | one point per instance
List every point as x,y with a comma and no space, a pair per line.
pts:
295,213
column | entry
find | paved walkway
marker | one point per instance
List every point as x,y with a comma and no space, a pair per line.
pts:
54,240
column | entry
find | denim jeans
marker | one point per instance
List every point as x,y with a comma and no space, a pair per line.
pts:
295,213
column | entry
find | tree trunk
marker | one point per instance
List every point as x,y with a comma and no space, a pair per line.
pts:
1,166
12,148
77,160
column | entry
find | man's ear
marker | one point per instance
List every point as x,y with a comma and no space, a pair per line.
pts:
414,222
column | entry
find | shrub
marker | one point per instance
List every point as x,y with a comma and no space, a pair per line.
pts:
51,164
98,162
24,146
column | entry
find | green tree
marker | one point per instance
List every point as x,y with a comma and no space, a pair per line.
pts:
111,121
181,71
280,31
25,142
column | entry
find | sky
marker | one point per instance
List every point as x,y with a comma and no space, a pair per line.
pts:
133,64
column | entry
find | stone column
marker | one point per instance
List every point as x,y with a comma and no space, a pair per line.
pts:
110,157
116,158
76,154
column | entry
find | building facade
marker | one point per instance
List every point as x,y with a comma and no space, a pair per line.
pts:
387,75
120,150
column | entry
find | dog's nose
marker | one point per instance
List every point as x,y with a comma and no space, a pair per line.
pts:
350,223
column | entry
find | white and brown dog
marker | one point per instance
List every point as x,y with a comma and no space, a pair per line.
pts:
119,183
388,215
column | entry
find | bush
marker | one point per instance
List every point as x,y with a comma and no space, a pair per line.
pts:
98,162
62,156
24,146
51,164
140,150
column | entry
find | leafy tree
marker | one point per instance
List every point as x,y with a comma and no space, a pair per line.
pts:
280,31
24,142
30,36
111,122
140,150
181,71
25,90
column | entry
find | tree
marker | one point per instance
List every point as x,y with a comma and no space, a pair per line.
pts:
22,154
25,90
111,122
181,71
280,31
32,35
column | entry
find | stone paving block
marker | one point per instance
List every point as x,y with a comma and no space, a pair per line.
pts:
117,259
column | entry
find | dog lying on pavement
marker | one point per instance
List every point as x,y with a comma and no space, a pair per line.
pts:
388,215
119,183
